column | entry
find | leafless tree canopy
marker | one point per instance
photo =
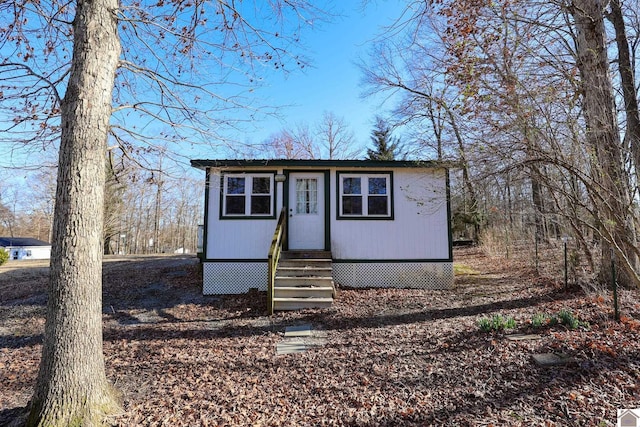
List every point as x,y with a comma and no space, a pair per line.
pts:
529,99
329,138
184,68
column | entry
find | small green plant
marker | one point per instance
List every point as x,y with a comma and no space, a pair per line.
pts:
570,321
4,256
539,320
564,317
485,324
496,323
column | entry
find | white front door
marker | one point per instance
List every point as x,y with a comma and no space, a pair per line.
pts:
306,210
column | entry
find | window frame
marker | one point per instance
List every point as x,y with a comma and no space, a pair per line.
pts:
248,194
364,194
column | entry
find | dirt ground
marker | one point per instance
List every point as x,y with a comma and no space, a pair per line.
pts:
387,357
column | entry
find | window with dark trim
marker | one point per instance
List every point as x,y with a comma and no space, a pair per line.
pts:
247,195
364,195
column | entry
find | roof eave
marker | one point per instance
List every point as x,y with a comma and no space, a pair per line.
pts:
221,163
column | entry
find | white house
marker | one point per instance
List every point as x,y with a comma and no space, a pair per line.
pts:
379,223
20,248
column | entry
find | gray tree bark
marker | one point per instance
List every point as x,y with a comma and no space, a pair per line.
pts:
629,93
610,192
72,388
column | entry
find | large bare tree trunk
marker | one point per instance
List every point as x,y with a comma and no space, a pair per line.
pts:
72,387
626,70
610,191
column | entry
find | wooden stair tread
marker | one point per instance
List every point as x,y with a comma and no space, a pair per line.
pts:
303,280
304,260
306,253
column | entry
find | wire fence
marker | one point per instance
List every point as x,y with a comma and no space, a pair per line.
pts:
560,258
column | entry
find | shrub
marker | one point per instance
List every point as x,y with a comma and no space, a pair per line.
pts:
4,256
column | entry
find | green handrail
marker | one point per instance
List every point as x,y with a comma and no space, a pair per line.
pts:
274,256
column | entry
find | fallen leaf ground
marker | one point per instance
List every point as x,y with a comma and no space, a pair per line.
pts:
390,357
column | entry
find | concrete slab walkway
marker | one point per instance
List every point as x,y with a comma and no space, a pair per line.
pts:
300,338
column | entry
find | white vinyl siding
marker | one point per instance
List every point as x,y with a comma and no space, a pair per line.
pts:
419,229
235,236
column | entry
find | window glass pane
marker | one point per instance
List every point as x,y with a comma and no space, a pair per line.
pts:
235,205
352,205
235,185
351,186
312,205
260,205
377,186
306,196
377,205
261,185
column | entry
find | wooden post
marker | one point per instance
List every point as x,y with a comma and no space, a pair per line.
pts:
616,309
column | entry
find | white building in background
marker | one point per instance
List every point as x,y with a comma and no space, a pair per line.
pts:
21,248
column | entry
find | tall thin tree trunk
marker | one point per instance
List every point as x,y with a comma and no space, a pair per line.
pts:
72,388
538,204
632,134
156,218
157,211
610,191
509,201
630,96
466,176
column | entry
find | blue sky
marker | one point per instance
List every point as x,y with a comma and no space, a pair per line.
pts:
332,82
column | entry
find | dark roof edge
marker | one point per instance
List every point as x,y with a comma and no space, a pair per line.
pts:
21,241
204,163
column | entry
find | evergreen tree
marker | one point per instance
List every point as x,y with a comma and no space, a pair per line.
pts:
385,146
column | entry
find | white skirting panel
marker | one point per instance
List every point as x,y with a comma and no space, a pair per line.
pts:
233,277
416,275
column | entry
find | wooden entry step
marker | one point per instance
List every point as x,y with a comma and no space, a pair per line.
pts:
303,280
306,254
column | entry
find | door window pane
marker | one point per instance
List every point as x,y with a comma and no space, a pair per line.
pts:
306,196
